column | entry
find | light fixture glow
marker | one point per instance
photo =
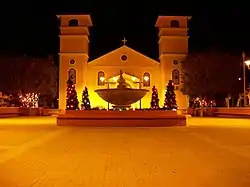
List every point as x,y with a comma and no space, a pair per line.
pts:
133,79
247,62
146,78
102,79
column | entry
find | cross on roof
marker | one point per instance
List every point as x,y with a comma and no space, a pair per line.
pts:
124,41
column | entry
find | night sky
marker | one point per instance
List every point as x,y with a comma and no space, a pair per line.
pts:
32,29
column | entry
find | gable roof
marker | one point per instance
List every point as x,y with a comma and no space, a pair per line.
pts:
105,59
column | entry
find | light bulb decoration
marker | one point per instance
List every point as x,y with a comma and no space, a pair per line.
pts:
154,99
170,98
72,102
29,100
85,100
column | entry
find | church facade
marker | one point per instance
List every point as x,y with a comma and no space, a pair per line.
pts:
138,70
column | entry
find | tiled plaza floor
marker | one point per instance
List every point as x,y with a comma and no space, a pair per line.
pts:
207,153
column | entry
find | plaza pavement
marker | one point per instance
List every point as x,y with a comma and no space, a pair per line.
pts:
209,152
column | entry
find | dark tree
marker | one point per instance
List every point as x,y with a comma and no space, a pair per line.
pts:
210,73
71,101
154,99
29,74
170,100
85,100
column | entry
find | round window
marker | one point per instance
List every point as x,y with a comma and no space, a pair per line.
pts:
124,57
175,62
72,61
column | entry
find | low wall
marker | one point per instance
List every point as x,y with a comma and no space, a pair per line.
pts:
50,112
137,118
209,112
234,110
16,111
9,112
242,112
29,111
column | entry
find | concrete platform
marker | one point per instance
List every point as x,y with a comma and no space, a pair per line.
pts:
137,118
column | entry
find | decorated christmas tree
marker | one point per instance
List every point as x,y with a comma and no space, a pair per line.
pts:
71,101
154,99
85,99
170,100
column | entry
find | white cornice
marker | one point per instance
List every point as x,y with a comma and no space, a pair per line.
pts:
74,28
172,37
82,17
74,36
73,54
173,29
173,55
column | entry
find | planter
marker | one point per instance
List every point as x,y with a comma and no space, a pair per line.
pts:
29,111
190,111
200,112
210,112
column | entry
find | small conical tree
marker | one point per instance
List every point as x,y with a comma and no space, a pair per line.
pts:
170,100
72,102
85,100
154,99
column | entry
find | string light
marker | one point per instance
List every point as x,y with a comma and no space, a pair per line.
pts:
85,100
170,99
29,100
154,99
71,97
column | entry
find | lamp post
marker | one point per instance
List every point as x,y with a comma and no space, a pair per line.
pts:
245,63
146,78
102,79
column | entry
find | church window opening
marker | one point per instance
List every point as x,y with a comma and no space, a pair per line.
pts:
101,77
73,23
146,79
174,24
124,57
175,62
176,76
72,75
72,61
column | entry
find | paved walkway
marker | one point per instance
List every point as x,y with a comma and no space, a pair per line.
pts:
37,153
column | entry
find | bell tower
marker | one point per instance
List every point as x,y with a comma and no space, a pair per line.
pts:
173,47
73,55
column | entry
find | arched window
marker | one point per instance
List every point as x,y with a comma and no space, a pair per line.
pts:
174,24
146,79
100,74
176,76
72,75
73,23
